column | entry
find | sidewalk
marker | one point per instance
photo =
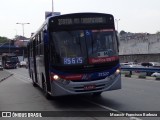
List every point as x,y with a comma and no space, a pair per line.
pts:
4,75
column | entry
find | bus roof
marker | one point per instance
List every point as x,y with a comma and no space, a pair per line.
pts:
77,16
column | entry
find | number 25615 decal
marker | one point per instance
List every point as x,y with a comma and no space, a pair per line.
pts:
103,74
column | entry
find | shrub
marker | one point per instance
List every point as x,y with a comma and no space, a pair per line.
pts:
142,76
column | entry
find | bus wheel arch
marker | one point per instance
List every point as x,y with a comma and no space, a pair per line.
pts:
45,88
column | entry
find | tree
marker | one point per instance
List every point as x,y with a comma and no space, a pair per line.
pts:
122,32
3,39
158,32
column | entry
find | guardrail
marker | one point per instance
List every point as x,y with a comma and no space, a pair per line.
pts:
141,69
144,71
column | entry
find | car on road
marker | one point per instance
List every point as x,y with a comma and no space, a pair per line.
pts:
150,65
1,67
23,64
156,74
130,64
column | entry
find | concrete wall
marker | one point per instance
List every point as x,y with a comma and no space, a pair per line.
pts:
140,58
144,48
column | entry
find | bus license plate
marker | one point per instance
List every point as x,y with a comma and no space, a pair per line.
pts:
89,87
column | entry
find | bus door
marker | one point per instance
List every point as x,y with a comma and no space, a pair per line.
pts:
33,62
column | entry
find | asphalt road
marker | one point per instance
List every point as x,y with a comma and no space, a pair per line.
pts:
18,94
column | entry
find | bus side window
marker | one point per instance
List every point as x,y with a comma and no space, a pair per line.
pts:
117,39
45,37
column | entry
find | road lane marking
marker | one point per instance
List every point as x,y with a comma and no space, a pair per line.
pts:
22,80
21,76
110,109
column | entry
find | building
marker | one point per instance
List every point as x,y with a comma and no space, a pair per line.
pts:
140,47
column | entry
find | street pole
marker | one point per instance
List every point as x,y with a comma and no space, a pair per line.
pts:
9,45
52,7
23,35
117,20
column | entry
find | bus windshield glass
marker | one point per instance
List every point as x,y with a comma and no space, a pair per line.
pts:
11,59
83,47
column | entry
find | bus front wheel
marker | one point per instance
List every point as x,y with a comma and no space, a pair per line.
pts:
45,89
33,83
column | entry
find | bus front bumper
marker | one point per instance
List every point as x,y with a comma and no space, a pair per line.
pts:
73,88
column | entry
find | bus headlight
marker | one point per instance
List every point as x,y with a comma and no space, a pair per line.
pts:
56,77
118,71
59,79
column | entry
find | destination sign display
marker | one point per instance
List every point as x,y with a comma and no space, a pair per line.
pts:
81,21
89,20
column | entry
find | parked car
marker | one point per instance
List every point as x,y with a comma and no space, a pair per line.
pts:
129,64
1,67
156,74
151,65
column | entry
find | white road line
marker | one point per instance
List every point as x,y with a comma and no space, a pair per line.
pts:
110,109
22,80
19,75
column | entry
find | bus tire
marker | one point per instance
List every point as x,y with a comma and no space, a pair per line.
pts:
34,84
45,90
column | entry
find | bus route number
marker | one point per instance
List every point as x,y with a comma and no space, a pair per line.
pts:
73,60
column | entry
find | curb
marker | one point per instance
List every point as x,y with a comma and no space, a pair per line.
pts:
141,77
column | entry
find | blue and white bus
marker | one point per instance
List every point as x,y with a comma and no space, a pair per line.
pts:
75,54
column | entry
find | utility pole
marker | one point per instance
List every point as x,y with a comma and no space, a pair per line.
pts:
52,7
117,20
23,34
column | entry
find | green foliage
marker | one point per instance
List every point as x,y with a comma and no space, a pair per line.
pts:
158,78
122,32
127,75
158,32
142,76
3,39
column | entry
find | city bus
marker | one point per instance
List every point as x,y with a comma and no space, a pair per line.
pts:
74,54
10,61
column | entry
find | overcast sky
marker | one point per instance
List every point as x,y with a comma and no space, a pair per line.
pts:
135,15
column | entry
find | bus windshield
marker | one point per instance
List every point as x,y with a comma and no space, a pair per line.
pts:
12,59
78,47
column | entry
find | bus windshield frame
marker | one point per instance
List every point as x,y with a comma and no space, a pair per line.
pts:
82,47
81,31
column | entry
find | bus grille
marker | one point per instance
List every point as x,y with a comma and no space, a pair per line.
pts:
97,86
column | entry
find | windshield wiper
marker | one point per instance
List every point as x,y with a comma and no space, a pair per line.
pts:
80,44
92,39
